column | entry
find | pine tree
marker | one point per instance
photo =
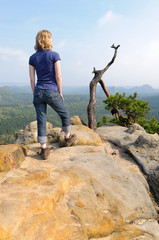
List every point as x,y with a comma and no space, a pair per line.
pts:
131,108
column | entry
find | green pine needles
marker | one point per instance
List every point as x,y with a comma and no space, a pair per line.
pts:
131,107
129,110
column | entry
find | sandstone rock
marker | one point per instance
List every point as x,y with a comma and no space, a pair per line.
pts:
135,127
79,193
119,135
31,127
54,135
85,136
143,147
129,233
145,151
11,156
29,134
92,190
75,120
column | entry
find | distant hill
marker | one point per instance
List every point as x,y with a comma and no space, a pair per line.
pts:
145,89
18,89
73,90
14,97
142,90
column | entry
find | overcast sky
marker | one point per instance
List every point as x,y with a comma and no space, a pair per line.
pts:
83,31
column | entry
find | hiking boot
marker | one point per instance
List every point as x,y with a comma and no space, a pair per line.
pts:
45,153
69,141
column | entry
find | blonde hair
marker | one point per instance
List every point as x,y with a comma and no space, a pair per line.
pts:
43,40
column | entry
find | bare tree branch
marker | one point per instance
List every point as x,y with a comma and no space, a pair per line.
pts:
113,59
93,84
104,88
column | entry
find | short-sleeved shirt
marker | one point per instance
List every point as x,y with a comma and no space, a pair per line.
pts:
43,61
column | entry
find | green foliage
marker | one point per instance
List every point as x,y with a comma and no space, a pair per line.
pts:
134,110
103,122
99,124
105,119
142,122
151,126
131,107
114,120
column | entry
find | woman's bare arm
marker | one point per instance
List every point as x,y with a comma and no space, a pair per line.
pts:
58,77
32,77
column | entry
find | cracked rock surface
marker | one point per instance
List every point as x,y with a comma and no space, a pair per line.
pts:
142,147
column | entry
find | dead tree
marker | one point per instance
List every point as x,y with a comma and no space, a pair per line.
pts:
93,84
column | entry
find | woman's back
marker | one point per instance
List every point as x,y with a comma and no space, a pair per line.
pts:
43,61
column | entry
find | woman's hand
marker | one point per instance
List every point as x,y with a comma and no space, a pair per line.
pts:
62,97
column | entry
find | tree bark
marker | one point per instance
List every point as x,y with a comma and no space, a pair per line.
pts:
93,84
90,109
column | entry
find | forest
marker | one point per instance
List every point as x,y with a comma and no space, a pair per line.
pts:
16,110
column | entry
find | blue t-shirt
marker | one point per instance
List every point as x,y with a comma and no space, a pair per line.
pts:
43,61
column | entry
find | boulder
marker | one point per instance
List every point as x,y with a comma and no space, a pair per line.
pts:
135,127
85,136
11,156
75,120
29,133
121,136
54,135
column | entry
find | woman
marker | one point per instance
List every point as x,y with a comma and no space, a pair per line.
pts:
48,90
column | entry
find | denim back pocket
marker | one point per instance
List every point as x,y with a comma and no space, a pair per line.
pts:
38,95
50,94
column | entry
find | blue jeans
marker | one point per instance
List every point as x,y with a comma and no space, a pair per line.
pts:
42,97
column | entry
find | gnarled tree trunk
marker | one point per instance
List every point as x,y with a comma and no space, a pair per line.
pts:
93,84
